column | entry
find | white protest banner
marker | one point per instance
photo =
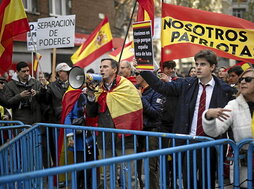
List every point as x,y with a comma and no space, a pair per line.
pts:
56,32
31,37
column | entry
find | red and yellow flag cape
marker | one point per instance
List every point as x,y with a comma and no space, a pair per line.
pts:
124,104
69,99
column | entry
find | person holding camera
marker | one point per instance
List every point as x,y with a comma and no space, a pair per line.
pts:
22,95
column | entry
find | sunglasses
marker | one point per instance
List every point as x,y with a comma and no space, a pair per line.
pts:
247,79
1,82
137,73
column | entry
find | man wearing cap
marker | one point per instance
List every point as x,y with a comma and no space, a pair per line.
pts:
22,93
52,95
54,91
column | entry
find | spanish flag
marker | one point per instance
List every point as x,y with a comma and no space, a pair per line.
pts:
97,44
69,99
244,65
13,21
128,52
146,11
124,104
186,31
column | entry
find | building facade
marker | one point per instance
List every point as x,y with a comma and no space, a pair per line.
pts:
88,15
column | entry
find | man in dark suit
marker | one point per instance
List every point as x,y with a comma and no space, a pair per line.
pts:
204,89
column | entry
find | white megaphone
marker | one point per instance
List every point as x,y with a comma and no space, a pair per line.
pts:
77,78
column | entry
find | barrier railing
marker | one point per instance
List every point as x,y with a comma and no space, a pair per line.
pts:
10,129
26,180
38,148
246,158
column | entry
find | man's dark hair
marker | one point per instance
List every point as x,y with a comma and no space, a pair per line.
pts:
236,69
21,65
209,55
114,64
169,64
90,70
47,75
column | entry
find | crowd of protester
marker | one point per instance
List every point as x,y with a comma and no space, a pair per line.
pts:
162,101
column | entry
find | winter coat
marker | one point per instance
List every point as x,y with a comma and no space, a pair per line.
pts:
152,108
239,120
53,96
25,109
168,112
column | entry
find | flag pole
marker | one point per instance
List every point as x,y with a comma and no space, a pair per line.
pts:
34,50
32,63
53,73
126,35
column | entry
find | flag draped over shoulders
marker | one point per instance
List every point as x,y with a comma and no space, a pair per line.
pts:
97,44
185,31
13,21
69,99
124,104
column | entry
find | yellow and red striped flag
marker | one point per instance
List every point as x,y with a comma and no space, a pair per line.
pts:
244,66
128,52
37,58
13,21
124,103
97,44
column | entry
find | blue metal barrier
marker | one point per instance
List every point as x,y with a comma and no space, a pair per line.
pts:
30,152
10,129
246,155
26,180
30,145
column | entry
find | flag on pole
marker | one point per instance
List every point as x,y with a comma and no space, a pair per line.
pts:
185,31
97,44
37,58
146,11
13,21
244,66
128,52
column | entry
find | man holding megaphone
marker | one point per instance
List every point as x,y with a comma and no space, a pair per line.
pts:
118,105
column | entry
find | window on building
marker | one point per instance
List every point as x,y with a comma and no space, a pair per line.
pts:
31,5
239,12
59,7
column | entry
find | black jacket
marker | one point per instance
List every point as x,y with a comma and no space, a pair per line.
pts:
168,113
3,99
53,96
25,109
